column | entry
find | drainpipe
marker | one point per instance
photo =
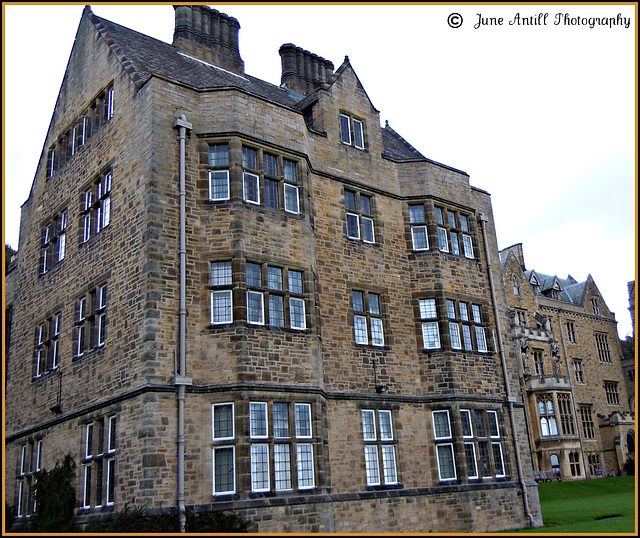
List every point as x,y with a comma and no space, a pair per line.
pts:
510,399
180,380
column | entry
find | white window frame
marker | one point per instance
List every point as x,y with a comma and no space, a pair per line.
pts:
224,447
233,426
216,449
467,245
39,455
377,331
358,132
252,433
383,436
467,412
111,442
111,464
493,414
345,130
260,468
374,447
255,179
454,334
368,434
303,410
368,231
300,310
428,309
440,412
389,465
20,498
443,244
372,465
306,468
493,453
360,329
434,328
287,206
481,339
228,318
225,178
354,227
449,448
62,236
419,233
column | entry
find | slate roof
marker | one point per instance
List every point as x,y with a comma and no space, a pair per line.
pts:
397,148
143,56
572,291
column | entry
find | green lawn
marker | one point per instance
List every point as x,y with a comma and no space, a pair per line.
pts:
602,505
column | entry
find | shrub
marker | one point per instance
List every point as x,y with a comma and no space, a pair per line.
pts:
55,498
630,466
140,519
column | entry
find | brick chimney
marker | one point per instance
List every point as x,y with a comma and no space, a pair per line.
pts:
302,71
208,35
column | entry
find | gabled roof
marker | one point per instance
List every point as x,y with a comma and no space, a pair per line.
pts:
569,289
144,57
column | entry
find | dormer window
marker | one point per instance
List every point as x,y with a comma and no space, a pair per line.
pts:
351,131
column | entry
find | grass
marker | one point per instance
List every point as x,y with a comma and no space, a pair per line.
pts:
603,505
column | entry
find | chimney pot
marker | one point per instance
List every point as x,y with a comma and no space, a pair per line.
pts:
303,71
208,35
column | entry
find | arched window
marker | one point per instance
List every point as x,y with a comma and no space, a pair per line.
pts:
574,463
548,425
555,464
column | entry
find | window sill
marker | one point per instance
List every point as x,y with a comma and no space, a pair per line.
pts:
385,487
371,347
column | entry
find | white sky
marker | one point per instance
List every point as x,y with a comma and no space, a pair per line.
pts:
540,116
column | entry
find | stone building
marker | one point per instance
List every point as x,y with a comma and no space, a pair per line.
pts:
237,296
629,358
565,342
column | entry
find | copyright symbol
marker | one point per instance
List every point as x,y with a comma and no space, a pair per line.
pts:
455,20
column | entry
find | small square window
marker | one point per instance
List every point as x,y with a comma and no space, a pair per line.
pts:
416,214
254,275
219,155
270,163
249,158
290,170
296,282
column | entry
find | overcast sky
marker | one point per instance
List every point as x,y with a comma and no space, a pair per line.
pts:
542,116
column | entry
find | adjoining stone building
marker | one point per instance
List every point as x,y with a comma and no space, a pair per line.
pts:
565,342
231,295
629,358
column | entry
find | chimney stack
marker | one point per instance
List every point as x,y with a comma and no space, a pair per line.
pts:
302,71
208,35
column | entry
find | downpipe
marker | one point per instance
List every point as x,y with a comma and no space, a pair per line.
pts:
505,372
180,380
